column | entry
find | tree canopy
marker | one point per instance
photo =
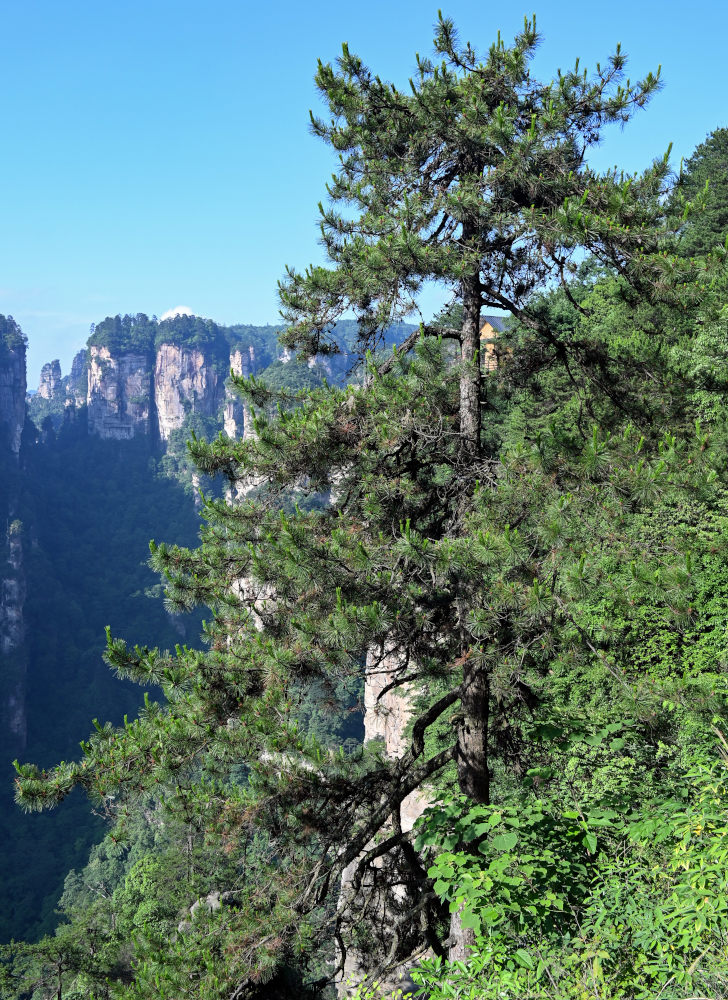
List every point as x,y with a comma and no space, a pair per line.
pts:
11,336
704,178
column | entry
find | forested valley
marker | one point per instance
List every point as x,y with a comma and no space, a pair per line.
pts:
436,701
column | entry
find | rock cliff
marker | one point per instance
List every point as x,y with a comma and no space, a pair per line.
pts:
13,654
148,377
77,387
386,714
59,396
50,379
12,397
185,381
120,394
387,710
13,726
130,394
242,362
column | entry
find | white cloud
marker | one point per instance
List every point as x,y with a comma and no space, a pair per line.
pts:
177,311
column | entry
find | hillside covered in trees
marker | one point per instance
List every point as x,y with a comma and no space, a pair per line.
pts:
73,487
516,543
99,465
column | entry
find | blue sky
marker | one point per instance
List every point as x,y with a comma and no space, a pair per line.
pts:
157,153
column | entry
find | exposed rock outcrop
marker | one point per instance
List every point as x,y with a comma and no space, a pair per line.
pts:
13,726
323,364
241,363
386,714
120,394
13,654
77,387
50,379
12,397
59,396
129,394
210,903
185,381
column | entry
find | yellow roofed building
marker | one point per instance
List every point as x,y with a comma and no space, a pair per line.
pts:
492,326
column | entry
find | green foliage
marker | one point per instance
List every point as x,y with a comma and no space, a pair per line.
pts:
125,333
176,462
451,154
143,335
263,340
546,594
195,333
700,199
12,337
89,508
571,903
290,377
546,578
46,412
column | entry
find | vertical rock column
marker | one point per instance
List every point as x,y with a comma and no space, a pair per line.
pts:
13,656
119,394
12,399
185,381
50,379
235,416
77,388
386,714
238,415
13,727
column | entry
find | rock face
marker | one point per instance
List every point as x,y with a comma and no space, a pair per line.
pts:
386,717
386,714
50,379
129,394
13,653
13,727
58,396
12,398
120,395
77,388
135,390
185,381
235,423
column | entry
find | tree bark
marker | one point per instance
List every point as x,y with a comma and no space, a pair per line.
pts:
470,374
471,754
472,745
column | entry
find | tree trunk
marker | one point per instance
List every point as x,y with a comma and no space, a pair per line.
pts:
470,375
472,748
473,772
472,738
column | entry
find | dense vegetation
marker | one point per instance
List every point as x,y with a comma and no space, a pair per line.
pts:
536,551
86,510
139,333
12,343
73,497
704,179
11,336
143,335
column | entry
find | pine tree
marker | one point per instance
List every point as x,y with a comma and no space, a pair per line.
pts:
464,548
476,180
703,186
